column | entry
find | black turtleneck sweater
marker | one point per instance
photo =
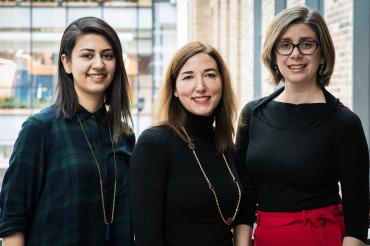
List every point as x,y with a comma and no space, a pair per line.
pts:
170,199
291,158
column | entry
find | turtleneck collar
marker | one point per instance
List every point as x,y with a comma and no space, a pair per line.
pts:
199,125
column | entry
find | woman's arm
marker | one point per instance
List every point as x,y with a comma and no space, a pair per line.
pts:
242,235
246,214
351,241
23,179
16,239
147,183
352,165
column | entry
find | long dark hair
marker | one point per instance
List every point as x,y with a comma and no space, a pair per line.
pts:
169,110
117,95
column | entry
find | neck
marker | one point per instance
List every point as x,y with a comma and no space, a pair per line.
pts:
298,94
199,125
91,104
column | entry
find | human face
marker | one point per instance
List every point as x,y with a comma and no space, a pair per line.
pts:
199,85
297,68
92,66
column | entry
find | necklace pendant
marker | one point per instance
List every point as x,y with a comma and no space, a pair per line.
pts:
229,221
107,232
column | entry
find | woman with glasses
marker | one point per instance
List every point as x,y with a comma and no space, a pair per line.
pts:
295,147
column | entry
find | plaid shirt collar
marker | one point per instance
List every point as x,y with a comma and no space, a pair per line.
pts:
83,114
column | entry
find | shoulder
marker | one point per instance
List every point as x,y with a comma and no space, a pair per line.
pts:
155,135
344,118
41,119
35,129
45,114
348,128
251,105
152,142
248,108
257,103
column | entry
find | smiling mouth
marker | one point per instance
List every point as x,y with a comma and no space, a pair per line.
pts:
96,76
297,67
201,100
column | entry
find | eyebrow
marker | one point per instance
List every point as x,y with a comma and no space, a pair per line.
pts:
205,71
302,38
210,69
187,72
92,50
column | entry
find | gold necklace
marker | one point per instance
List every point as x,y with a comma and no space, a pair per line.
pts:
107,229
230,220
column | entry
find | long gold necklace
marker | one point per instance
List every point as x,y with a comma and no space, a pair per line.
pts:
229,220
107,229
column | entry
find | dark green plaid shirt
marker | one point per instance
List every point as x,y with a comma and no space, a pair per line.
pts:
51,189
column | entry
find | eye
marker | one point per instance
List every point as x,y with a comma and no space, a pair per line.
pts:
307,45
210,75
86,55
188,77
108,56
285,45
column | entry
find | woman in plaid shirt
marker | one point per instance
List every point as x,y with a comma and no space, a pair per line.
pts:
67,178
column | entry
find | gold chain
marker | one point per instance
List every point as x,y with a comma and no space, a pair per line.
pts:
100,179
228,221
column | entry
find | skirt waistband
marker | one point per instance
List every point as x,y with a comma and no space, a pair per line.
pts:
312,217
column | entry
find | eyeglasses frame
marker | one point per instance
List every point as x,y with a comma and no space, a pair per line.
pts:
297,45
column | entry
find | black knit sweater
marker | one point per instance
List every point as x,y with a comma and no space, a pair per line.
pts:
171,201
291,158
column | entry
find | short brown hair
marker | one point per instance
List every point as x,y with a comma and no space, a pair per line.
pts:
279,25
169,110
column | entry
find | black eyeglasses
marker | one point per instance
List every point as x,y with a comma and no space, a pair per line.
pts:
286,48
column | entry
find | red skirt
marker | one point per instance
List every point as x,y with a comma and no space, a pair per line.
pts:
316,227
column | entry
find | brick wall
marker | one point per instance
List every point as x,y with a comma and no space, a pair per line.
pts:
201,21
233,39
245,87
268,13
232,33
339,16
294,2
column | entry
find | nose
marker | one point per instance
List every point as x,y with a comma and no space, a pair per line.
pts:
296,52
98,62
200,86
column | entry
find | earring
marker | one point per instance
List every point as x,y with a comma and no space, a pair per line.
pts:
277,69
321,69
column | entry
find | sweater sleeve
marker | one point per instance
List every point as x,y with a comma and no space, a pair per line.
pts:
148,177
23,179
352,160
248,209
122,228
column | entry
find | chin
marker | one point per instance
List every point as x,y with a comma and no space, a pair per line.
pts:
99,89
204,114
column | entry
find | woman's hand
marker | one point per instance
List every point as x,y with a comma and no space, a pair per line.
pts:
17,239
242,235
351,241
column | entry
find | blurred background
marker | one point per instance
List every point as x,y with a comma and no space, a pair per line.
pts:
150,32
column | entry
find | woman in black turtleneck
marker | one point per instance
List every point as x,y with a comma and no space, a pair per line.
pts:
175,163
294,146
